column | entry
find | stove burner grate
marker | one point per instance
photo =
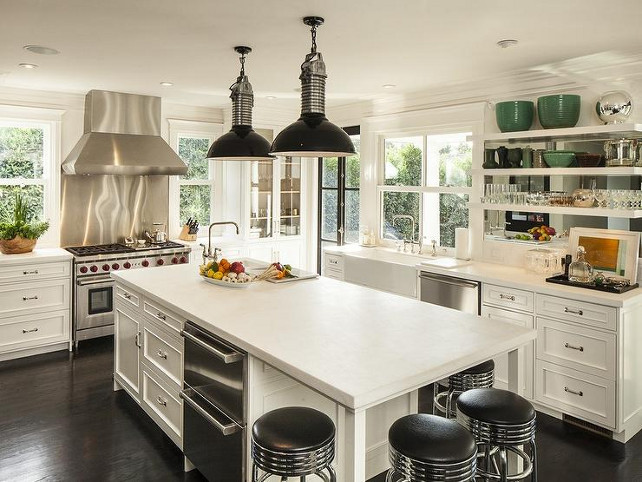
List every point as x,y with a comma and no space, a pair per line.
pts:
114,248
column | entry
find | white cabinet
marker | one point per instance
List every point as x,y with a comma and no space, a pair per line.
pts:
148,358
501,363
35,305
127,333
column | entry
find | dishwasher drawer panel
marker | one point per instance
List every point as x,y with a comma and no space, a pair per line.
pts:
451,292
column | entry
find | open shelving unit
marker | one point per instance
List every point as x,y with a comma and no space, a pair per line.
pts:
526,208
562,171
589,133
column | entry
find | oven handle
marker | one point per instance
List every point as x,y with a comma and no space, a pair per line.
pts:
106,279
228,429
231,357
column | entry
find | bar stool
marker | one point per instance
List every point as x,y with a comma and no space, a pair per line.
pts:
501,422
293,442
428,448
479,376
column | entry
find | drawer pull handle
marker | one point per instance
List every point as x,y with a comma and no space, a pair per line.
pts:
35,271
573,347
161,401
33,330
506,297
574,312
27,298
162,354
568,390
161,316
137,340
127,296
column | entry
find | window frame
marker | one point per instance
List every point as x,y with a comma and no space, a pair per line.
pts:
423,188
179,129
49,120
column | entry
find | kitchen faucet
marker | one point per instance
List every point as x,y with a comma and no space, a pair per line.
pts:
207,252
410,241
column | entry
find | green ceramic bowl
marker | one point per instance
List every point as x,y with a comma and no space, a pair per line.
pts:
558,111
559,158
514,115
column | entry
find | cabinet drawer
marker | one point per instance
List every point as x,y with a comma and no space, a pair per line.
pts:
577,347
162,404
163,316
581,394
35,272
164,352
127,296
508,297
580,311
34,330
333,273
35,297
334,261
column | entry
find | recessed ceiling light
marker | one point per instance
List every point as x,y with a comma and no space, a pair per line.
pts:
270,97
39,49
506,43
167,84
388,86
25,65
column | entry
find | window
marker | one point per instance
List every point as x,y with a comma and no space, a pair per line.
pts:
339,181
193,194
426,183
27,155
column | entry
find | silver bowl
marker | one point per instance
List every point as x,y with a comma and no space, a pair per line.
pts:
614,107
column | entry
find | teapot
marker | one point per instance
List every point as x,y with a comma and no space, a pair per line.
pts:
158,234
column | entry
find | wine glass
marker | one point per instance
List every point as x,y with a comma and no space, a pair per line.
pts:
601,196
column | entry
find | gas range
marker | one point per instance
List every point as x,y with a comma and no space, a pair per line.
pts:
105,258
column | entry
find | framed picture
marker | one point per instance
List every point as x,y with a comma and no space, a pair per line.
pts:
612,252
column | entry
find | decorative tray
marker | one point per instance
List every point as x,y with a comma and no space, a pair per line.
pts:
606,287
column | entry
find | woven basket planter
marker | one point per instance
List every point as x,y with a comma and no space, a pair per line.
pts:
17,245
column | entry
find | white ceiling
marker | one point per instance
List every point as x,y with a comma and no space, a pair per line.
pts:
418,45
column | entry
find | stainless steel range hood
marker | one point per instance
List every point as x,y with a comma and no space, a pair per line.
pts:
122,137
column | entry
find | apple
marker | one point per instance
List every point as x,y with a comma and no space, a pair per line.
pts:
237,267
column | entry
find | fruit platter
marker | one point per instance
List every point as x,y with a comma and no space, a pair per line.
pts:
235,274
540,234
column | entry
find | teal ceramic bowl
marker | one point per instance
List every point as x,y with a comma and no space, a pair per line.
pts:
514,115
559,158
558,111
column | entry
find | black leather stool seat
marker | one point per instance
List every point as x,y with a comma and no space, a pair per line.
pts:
485,367
293,429
495,406
429,438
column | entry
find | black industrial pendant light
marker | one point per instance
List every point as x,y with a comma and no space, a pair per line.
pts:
242,143
313,135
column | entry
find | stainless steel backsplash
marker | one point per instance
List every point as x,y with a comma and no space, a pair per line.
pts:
105,209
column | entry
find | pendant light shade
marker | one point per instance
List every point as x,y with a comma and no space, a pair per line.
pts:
242,143
313,135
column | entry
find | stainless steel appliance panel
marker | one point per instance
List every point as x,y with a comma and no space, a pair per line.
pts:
94,303
451,292
211,441
104,209
216,371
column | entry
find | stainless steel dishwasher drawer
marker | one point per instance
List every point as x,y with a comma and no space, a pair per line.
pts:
451,292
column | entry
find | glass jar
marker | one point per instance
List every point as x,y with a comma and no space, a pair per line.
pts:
583,198
580,271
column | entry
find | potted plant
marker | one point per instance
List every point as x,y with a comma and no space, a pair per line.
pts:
20,234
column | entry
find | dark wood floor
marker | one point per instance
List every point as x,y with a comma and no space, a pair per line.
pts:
60,420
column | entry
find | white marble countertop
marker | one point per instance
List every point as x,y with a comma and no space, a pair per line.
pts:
500,274
47,255
358,346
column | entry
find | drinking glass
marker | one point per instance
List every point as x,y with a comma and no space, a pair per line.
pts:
601,196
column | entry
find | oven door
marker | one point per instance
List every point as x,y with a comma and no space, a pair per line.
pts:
94,302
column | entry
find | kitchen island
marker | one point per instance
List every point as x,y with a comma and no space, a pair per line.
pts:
354,347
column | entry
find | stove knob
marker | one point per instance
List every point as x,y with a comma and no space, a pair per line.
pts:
115,266
145,263
174,260
160,262
183,259
83,269
105,267
127,265
93,268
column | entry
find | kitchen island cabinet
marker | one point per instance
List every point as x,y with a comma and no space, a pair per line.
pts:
35,303
356,353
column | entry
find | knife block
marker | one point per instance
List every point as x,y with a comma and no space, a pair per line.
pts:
185,236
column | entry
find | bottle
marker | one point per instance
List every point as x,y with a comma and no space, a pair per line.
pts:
580,271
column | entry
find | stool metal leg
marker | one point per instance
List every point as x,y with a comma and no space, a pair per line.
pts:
503,465
534,458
